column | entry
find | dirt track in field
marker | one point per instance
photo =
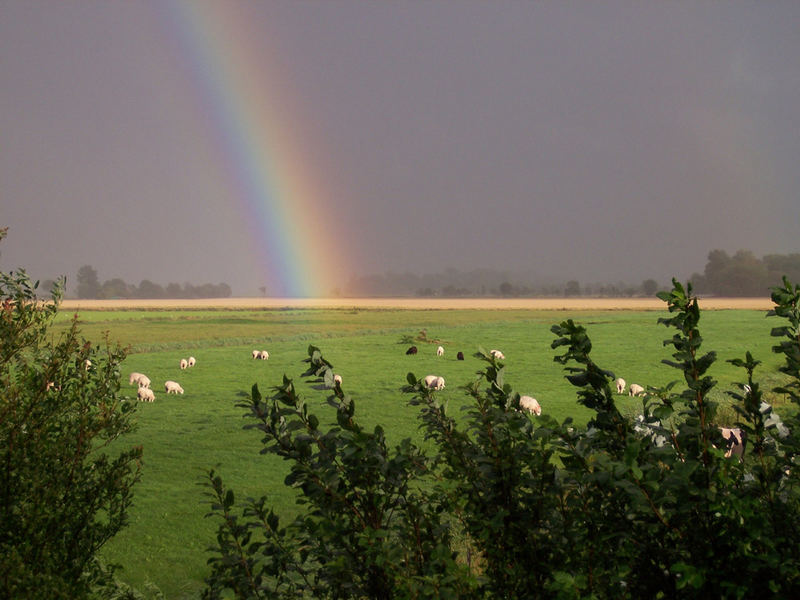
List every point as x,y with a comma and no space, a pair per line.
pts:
417,303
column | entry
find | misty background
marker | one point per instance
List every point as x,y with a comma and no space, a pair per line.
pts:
555,141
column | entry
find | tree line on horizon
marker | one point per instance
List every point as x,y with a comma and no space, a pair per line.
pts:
452,283
89,287
742,274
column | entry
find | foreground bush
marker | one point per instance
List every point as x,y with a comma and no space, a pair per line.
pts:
513,506
62,496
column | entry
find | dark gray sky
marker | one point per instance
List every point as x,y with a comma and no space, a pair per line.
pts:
600,141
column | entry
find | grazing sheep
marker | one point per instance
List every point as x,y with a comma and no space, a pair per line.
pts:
620,383
440,351
530,404
412,350
735,440
434,382
256,354
134,377
173,387
146,395
460,356
144,381
184,363
87,364
496,354
264,355
337,380
192,361
649,430
635,390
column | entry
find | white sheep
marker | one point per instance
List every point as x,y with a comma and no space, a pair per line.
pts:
264,355
620,383
434,382
440,351
184,363
173,387
146,395
192,361
256,354
735,439
530,404
87,364
496,354
139,378
635,390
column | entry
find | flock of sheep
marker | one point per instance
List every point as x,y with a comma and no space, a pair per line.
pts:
146,394
733,436
436,382
634,390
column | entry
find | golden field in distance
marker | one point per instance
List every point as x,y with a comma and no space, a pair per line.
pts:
575,303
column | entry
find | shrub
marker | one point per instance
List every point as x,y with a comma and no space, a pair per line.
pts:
615,509
62,495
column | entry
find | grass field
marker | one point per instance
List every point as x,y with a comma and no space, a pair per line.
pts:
183,436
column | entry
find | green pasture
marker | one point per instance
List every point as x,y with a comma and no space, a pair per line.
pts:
183,436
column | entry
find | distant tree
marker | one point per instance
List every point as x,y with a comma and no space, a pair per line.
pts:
649,287
115,288
573,288
714,273
206,290
506,289
88,284
174,290
148,289
743,274
63,492
747,275
779,265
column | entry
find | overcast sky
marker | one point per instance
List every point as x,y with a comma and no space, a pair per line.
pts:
599,141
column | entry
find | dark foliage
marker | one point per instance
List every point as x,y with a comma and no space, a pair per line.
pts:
62,493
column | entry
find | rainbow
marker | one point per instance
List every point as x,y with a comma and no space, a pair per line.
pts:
285,207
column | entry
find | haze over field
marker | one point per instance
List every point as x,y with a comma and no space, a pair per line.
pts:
276,143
